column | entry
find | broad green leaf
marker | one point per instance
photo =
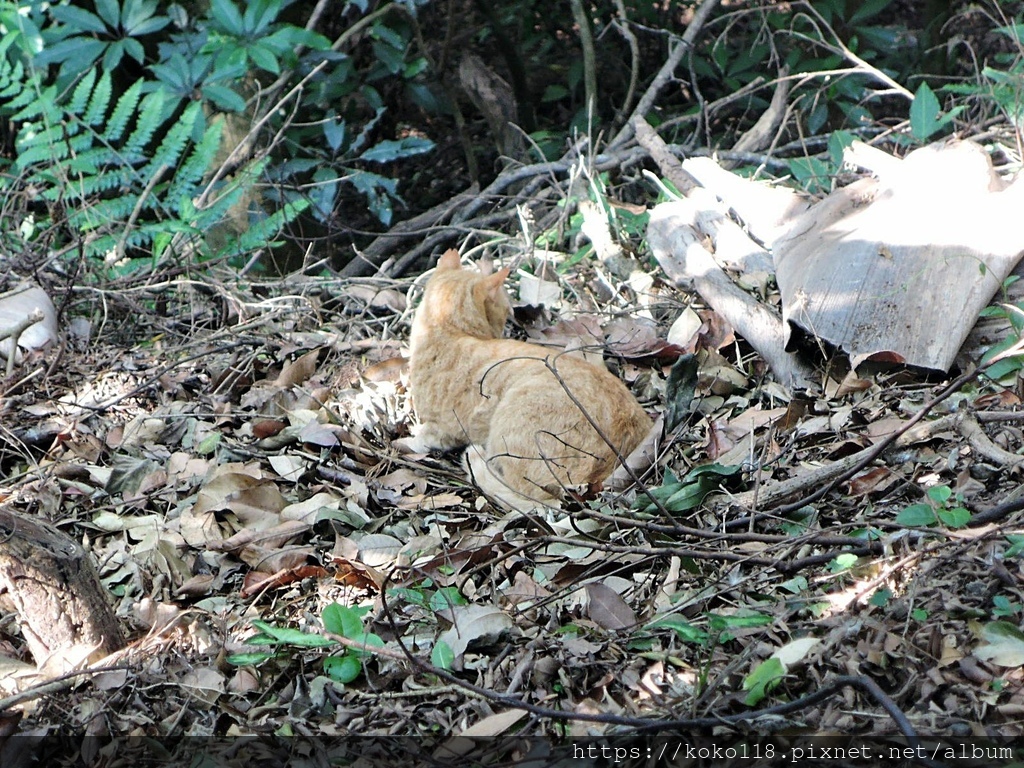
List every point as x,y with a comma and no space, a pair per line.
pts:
916,516
388,151
958,517
686,631
881,597
249,659
924,113
110,12
719,622
442,655
939,493
1016,545
288,636
714,468
334,132
445,598
679,391
264,58
367,642
224,98
79,18
765,676
689,497
344,669
227,17
843,562
341,620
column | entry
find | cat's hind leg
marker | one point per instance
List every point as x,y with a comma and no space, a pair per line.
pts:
426,438
491,475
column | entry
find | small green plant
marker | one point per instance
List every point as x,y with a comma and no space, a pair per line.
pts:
940,506
344,666
427,595
1016,545
881,597
684,495
926,116
1008,367
1004,608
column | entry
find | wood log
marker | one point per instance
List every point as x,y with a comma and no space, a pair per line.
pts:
62,607
679,249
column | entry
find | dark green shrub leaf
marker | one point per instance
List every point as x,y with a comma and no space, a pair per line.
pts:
388,151
679,391
924,113
916,516
442,656
344,668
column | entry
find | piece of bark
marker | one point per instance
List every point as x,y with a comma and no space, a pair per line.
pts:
496,101
896,269
60,602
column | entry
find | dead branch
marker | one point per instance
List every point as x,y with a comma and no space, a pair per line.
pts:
667,71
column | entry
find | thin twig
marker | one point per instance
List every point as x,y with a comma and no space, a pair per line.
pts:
667,71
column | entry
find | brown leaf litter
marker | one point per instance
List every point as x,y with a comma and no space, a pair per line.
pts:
203,518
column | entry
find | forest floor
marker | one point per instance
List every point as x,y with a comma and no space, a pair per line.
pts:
281,569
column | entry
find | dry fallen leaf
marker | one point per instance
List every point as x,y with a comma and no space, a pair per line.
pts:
607,608
473,622
1003,644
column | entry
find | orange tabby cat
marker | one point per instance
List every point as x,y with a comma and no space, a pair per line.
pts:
527,439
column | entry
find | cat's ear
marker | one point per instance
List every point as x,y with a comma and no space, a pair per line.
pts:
449,260
495,281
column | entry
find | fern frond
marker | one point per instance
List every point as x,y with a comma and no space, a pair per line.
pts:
123,112
103,213
196,165
12,81
174,142
32,103
150,116
260,234
229,194
40,146
80,96
99,102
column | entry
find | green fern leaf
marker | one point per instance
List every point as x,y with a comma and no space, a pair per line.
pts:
99,102
12,81
150,116
260,234
103,213
122,113
174,142
196,165
32,103
229,194
80,96
40,146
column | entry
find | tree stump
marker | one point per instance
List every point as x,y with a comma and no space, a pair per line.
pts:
57,594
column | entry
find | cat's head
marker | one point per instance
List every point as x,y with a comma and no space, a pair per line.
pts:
468,301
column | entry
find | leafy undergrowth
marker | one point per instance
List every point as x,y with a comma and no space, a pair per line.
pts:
283,568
